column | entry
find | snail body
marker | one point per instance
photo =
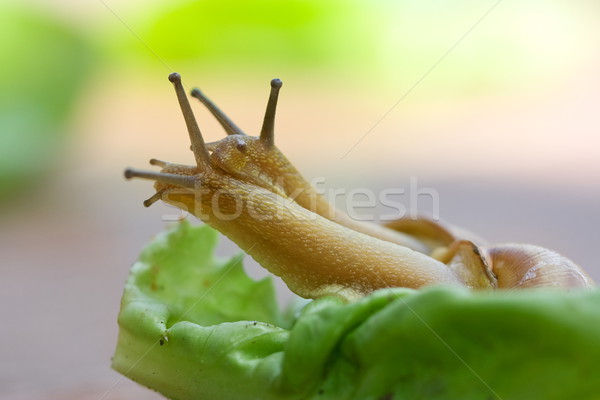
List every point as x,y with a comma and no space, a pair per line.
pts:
247,189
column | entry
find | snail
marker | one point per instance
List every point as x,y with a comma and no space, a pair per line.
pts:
244,187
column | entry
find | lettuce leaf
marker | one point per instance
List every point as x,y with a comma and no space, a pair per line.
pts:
196,327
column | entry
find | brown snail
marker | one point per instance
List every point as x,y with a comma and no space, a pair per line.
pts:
246,188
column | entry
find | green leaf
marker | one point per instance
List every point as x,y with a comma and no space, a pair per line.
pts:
179,270
189,322
194,327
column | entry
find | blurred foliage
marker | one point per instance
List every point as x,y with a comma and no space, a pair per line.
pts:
242,35
44,66
365,42
480,46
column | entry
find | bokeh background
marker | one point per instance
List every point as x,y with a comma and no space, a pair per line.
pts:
492,104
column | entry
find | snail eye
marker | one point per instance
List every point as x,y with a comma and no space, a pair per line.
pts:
241,146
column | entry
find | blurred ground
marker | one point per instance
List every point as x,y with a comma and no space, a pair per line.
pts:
514,163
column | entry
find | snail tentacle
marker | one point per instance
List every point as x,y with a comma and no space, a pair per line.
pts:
198,147
184,181
154,198
230,127
267,133
159,163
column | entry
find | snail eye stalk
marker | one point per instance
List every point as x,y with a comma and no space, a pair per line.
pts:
230,127
186,181
198,146
267,133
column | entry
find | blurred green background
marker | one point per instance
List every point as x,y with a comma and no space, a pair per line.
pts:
494,105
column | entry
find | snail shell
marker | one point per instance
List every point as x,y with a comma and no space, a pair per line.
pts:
529,266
